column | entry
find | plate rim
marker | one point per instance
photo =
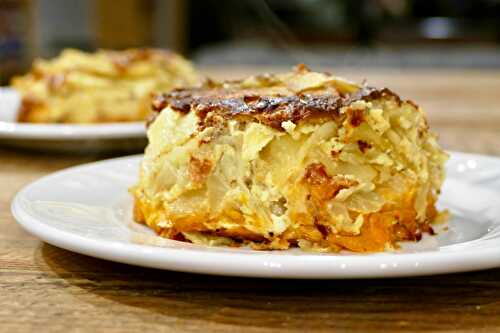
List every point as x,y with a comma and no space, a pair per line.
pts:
305,266
12,130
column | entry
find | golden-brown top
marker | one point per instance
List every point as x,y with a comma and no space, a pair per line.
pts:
270,99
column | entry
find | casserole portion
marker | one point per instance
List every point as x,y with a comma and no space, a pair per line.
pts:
101,87
300,159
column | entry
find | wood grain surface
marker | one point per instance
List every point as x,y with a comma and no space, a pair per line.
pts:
46,289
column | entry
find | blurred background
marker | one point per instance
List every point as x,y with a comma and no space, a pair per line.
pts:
326,33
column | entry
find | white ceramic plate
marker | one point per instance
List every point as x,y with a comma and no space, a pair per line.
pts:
86,209
59,137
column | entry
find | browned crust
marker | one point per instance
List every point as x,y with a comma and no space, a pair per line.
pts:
209,102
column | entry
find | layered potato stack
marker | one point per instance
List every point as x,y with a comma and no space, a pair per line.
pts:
301,159
106,86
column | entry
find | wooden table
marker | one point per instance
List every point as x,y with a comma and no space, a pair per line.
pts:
43,288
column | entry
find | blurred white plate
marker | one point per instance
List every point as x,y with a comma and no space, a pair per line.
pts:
58,137
87,209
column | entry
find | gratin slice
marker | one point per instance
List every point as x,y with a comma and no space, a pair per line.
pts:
106,86
301,159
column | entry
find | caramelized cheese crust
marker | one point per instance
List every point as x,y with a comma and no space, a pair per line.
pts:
301,159
229,100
